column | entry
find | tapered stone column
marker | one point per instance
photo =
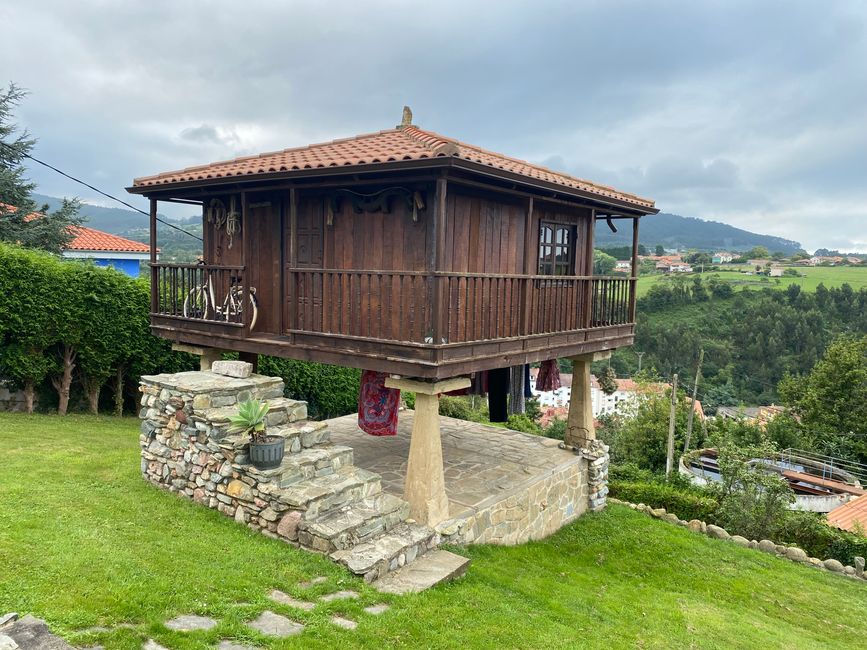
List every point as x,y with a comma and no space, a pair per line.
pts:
425,488
580,429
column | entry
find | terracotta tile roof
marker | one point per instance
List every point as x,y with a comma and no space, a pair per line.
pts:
846,515
393,145
90,239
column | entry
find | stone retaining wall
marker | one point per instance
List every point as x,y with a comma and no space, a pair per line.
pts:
185,448
13,400
539,508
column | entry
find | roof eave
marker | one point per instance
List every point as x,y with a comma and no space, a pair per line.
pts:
625,207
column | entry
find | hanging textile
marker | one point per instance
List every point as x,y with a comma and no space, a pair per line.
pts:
517,405
528,387
549,376
479,383
377,405
498,393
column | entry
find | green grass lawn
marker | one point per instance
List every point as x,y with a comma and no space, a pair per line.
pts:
84,541
830,276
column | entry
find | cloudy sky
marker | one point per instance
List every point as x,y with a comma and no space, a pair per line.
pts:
752,113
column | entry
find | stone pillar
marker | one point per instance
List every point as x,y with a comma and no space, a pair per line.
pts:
579,423
425,481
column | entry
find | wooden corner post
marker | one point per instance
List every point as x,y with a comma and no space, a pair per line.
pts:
425,488
153,259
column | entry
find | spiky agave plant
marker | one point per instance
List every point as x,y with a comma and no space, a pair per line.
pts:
250,419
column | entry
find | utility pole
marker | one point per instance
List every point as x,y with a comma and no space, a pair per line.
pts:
669,457
640,354
692,406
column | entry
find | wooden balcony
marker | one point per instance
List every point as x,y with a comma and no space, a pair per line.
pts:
442,323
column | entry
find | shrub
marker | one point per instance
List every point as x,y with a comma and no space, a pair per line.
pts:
808,531
685,504
330,391
555,430
523,423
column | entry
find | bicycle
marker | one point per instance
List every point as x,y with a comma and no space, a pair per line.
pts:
201,301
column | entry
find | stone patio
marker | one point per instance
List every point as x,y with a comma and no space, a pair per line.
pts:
503,486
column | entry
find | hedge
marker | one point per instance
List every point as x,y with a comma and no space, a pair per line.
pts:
684,504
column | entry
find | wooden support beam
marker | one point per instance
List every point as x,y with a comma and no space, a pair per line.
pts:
633,285
153,251
428,387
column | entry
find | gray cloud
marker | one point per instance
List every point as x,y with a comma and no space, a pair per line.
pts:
746,112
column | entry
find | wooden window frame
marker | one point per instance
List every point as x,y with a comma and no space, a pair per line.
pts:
549,248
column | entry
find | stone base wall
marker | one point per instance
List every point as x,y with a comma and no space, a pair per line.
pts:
532,511
13,400
186,450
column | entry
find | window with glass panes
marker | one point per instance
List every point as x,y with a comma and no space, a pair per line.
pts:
556,249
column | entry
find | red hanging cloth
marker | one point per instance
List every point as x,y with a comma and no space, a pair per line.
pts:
549,376
377,405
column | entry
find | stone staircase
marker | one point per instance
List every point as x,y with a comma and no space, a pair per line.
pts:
317,498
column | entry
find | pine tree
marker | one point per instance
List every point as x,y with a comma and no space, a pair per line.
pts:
47,231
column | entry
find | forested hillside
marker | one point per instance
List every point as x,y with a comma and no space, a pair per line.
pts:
674,231
751,339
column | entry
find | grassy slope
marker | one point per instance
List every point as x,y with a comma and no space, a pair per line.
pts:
84,541
831,276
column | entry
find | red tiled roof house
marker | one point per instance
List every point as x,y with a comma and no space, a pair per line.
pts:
106,249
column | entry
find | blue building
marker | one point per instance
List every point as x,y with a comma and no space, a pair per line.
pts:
106,249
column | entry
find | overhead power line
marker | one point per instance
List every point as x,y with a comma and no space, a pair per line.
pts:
96,189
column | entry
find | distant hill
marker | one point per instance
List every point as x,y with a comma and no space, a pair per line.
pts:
674,231
114,220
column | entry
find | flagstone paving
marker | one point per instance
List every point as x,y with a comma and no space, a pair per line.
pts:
479,460
226,644
338,595
345,623
190,623
272,624
285,599
318,580
376,610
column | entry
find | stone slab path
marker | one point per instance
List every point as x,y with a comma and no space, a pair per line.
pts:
190,623
271,624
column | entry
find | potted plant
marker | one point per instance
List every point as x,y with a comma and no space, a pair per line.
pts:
266,452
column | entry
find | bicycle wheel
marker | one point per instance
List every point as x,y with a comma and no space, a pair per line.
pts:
196,304
254,309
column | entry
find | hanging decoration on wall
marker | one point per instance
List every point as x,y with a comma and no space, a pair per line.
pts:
218,216
380,201
233,221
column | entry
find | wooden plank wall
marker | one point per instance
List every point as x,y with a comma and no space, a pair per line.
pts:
375,240
483,234
264,268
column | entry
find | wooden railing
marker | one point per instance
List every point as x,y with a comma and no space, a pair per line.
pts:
425,308
199,292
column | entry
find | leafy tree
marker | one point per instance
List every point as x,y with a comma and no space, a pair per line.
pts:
752,500
603,264
48,231
832,399
757,253
29,293
607,381
660,250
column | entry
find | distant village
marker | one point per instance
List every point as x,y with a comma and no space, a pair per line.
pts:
677,262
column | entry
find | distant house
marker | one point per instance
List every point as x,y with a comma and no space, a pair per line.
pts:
758,262
623,266
105,249
678,267
722,258
853,260
775,271
816,260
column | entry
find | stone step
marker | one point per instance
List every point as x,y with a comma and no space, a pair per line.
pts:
323,493
353,524
305,464
281,411
299,435
400,546
430,569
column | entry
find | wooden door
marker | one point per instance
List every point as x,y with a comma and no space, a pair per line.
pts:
264,259
304,289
